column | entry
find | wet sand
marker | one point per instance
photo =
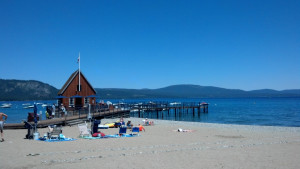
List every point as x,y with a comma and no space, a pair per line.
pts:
160,146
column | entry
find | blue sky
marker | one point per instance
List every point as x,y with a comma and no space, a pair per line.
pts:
153,43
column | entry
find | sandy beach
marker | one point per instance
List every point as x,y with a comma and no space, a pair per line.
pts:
160,146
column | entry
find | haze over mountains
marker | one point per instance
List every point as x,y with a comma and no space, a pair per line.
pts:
34,90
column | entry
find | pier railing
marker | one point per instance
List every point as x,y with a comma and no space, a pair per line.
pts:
136,107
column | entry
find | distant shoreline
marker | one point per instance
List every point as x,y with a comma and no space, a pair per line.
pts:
36,90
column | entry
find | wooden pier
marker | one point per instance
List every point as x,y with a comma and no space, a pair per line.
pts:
75,117
176,108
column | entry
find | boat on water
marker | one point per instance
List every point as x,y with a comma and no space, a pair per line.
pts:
175,103
29,107
44,105
6,105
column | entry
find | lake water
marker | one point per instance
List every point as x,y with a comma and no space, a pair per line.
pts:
246,111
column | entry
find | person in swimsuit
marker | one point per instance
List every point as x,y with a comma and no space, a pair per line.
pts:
2,124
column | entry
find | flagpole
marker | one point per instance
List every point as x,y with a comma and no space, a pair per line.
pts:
79,74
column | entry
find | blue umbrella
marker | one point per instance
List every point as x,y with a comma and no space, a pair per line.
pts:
92,96
76,96
60,97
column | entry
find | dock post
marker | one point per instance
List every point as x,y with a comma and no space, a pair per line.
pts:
175,112
199,110
139,113
193,111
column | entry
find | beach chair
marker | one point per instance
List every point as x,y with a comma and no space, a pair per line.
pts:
122,130
54,132
135,131
83,130
118,124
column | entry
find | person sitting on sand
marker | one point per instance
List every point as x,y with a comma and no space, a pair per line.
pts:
129,124
122,121
141,128
182,130
151,123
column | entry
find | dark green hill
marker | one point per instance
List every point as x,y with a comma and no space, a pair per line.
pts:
199,91
191,91
35,90
26,90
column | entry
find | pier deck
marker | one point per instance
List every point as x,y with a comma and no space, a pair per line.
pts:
69,120
120,110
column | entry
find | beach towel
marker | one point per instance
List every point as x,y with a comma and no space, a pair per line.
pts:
98,135
56,140
111,136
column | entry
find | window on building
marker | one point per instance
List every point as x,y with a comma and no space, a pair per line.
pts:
86,100
71,102
59,102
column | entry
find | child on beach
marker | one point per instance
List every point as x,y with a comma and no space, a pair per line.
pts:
141,127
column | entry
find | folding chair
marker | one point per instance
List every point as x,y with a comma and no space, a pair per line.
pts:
83,130
54,132
122,130
135,131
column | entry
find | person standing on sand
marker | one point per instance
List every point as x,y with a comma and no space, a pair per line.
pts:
2,124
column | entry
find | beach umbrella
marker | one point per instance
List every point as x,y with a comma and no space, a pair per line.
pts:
35,115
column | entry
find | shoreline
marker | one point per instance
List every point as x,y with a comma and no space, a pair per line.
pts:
175,122
210,145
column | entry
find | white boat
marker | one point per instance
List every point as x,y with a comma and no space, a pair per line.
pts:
175,103
6,105
29,107
44,105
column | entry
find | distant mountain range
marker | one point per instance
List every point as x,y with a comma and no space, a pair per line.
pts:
26,90
35,90
192,91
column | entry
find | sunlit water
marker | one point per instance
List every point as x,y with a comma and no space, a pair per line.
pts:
247,111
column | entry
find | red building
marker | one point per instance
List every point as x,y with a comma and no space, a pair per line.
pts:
73,95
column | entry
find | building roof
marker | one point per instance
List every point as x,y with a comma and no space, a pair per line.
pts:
69,81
